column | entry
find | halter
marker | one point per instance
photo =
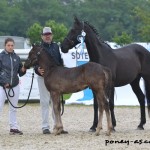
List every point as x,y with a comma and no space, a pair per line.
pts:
37,55
80,37
70,41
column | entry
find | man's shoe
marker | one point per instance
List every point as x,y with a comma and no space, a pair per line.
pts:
15,131
46,131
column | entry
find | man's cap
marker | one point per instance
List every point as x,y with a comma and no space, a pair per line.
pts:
47,30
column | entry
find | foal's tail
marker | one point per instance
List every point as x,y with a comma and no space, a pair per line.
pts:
147,91
108,82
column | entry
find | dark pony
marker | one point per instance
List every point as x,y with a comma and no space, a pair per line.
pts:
61,80
128,64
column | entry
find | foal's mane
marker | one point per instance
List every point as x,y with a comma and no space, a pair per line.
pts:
96,32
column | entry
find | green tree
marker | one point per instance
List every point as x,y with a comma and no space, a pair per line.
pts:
35,30
4,18
42,10
123,39
108,17
144,29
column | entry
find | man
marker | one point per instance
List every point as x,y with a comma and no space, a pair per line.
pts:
45,99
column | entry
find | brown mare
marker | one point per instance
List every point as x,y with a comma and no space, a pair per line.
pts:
127,64
61,80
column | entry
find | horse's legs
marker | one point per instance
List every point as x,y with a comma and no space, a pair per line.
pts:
109,123
103,104
100,103
147,91
95,121
99,126
141,98
111,105
57,110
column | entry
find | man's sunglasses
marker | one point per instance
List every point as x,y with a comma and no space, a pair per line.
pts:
47,34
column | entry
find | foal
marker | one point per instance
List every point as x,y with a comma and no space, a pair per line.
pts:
61,80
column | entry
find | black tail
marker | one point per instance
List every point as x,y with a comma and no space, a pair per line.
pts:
147,91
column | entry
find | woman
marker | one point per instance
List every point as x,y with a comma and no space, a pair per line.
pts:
10,67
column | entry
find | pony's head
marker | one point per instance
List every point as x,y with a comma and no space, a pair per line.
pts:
32,59
73,37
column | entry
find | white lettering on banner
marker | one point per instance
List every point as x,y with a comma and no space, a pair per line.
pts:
71,58
80,56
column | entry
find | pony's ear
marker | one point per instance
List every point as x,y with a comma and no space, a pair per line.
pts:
76,20
37,43
33,44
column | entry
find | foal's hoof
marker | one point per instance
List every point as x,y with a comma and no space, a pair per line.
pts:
97,133
140,128
57,131
64,132
108,133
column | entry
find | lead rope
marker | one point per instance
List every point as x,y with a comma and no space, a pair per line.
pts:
11,89
13,94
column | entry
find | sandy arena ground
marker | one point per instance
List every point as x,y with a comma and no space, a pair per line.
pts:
77,120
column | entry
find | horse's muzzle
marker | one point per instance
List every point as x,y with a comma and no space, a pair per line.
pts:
27,63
